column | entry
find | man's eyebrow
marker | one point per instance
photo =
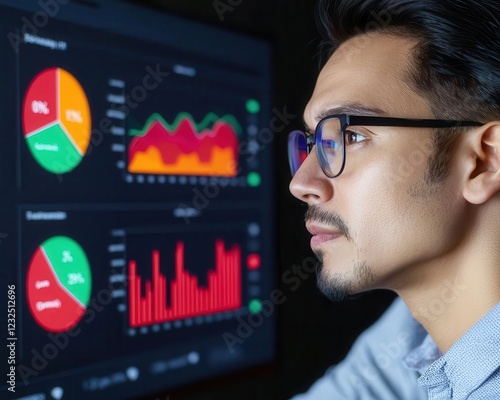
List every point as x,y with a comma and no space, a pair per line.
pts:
349,108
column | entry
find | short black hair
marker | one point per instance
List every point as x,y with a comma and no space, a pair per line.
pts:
457,57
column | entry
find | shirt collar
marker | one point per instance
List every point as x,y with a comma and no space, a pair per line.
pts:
422,356
467,364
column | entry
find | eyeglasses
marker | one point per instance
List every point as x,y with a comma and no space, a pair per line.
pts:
330,138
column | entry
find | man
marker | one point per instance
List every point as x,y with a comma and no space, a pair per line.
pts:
400,169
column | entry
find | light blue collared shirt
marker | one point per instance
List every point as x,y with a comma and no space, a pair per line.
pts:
470,369
386,360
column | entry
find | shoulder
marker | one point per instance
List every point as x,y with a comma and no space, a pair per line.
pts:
374,369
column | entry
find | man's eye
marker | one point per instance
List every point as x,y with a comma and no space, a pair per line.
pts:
352,137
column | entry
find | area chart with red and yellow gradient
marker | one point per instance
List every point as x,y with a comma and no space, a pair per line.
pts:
209,148
56,120
148,298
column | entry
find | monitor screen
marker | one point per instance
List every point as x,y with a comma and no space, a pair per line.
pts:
137,246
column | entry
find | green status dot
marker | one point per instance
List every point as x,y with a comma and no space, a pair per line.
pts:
255,306
253,179
253,106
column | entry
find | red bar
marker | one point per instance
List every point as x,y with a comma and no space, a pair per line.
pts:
163,301
138,300
188,294
230,280
173,295
182,292
223,281
156,288
148,302
237,277
199,304
131,295
144,320
179,269
192,292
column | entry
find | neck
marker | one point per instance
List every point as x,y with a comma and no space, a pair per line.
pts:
453,293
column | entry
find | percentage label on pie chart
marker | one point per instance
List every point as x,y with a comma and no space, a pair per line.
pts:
56,120
59,282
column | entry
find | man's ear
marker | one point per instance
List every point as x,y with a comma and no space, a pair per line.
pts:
483,164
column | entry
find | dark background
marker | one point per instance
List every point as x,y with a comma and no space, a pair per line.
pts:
313,333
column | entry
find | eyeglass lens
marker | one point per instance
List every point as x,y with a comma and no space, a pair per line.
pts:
297,150
329,152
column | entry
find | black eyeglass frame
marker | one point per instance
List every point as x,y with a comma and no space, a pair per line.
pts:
347,120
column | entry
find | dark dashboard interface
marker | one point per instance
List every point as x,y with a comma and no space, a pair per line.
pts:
136,201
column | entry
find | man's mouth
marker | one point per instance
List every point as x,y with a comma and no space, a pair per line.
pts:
321,234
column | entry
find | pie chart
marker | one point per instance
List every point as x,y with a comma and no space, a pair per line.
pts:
58,284
56,120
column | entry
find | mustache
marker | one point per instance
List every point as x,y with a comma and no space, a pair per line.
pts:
315,214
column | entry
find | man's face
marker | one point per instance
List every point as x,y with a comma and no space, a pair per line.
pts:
379,224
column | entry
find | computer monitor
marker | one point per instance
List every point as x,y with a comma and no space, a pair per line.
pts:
137,232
